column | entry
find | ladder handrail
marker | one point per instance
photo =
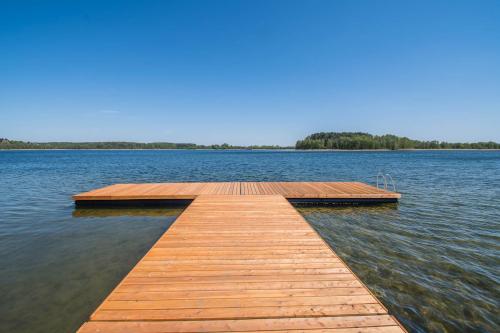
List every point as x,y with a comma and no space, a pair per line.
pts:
386,179
393,183
381,175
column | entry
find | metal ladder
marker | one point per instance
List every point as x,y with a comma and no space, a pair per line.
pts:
385,179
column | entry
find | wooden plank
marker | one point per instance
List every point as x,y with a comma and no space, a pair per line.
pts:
238,286
382,323
236,302
202,294
240,263
159,266
237,312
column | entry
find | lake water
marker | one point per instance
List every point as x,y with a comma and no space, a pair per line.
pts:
433,259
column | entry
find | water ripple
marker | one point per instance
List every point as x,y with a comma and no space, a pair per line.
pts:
433,259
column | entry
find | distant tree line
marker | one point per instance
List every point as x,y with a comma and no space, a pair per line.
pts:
10,144
359,140
330,140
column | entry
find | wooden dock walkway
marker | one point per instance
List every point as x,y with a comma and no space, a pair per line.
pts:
240,263
342,191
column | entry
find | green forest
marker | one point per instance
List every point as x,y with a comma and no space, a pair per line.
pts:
11,144
359,140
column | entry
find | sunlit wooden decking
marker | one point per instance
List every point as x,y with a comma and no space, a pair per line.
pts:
290,190
241,263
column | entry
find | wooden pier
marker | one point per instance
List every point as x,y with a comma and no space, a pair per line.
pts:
354,191
239,259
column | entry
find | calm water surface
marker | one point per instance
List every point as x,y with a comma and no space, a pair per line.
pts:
433,259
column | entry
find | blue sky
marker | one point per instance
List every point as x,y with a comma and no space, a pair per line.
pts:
248,72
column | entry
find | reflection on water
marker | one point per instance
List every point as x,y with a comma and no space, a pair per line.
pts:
374,208
128,211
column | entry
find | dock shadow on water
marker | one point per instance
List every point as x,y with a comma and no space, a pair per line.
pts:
415,271
130,211
65,274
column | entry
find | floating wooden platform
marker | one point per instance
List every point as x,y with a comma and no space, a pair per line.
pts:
298,191
240,259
